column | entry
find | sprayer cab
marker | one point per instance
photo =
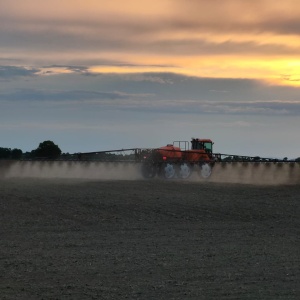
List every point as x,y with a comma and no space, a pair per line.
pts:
202,144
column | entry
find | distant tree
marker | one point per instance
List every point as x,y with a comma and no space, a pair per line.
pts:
297,159
27,155
5,153
16,153
46,149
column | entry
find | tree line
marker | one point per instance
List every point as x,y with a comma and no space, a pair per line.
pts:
49,150
46,149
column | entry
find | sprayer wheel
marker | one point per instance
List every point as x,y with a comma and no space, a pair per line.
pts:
185,171
168,171
205,170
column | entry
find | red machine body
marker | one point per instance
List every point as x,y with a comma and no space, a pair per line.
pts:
201,150
179,159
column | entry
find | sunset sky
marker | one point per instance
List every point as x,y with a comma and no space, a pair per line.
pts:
98,75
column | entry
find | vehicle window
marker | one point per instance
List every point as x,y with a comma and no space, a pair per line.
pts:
208,146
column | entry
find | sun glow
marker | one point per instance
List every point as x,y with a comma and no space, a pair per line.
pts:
228,39
283,72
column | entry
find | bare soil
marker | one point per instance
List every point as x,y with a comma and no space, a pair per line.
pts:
118,239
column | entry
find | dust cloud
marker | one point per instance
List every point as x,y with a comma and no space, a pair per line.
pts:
72,169
243,173
257,173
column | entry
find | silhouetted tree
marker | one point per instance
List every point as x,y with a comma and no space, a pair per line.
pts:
27,155
46,149
16,153
5,153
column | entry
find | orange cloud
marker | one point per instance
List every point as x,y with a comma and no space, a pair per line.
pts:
233,38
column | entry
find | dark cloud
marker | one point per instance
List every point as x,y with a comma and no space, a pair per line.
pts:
8,72
63,41
75,69
157,86
279,25
173,86
151,35
238,108
83,66
166,93
194,16
251,108
283,25
44,95
204,47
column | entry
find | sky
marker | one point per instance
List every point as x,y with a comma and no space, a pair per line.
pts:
95,75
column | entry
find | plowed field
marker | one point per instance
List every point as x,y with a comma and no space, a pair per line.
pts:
105,239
